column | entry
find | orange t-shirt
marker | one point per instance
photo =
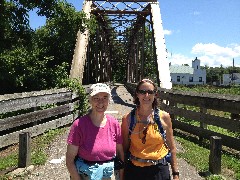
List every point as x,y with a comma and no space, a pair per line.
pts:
154,147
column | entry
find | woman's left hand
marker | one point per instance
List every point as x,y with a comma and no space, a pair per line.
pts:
176,177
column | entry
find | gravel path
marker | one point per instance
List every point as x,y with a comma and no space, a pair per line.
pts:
121,104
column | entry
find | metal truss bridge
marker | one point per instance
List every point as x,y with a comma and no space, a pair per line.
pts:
128,44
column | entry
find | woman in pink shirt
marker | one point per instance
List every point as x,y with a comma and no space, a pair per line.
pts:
94,139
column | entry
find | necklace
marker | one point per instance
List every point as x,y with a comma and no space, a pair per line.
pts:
143,135
142,130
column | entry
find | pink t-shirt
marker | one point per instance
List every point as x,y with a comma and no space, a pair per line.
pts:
95,143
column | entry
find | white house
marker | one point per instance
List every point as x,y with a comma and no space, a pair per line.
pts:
229,79
188,75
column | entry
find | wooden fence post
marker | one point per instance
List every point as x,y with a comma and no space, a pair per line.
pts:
172,104
202,125
215,155
24,155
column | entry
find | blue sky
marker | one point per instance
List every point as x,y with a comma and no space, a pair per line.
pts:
207,29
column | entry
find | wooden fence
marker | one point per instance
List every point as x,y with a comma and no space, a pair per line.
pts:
180,104
35,113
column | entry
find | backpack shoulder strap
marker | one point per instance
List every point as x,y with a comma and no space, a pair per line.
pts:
157,120
132,121
161,130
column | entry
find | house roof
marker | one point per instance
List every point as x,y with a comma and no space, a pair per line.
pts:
181,69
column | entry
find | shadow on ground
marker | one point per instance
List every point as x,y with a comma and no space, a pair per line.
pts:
118,100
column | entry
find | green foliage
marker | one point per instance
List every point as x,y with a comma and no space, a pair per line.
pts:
36,60
39,144
38,147
60,33
215,74
150,66
14,25
119,72
38,157
75,86
215,177
198,156
231,162
233,90
208,89
192,150
8,161
223,131
20,72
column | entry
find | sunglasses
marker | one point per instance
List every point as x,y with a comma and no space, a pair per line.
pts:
146,91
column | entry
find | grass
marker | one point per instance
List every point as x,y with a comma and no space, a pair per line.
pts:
233,90
38,152
9,161
198,156
39,155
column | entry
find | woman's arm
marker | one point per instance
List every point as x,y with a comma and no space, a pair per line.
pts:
125,132
120,154
70,157
167,125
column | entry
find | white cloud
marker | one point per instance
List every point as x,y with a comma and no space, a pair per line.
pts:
179,59
215,61
211,55
214,50
167,32
214,55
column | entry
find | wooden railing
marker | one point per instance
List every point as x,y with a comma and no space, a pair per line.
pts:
35,113
180,104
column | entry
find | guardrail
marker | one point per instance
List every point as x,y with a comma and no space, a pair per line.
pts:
35,113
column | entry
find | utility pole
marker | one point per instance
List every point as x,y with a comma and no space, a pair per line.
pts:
232,71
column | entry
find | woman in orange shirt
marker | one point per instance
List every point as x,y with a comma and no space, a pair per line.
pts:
143,144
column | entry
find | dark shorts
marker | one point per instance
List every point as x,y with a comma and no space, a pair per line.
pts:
154,172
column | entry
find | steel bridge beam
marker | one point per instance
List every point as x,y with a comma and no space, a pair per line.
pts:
122,28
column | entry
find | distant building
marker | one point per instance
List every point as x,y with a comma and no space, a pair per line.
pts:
229,79
187,75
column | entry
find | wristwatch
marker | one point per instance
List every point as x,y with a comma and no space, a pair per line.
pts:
175,173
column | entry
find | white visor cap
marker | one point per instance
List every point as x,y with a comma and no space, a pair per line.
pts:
99,87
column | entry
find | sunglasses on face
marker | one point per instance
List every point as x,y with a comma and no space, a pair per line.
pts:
146,91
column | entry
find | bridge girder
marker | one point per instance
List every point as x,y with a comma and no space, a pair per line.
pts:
135,29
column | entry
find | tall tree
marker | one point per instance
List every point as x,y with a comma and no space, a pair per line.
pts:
58,36
37,59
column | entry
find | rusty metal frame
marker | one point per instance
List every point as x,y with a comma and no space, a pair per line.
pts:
126,24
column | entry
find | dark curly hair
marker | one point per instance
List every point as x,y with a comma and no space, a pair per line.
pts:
136,100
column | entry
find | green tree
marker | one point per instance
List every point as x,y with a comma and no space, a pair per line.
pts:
41,60
14,25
